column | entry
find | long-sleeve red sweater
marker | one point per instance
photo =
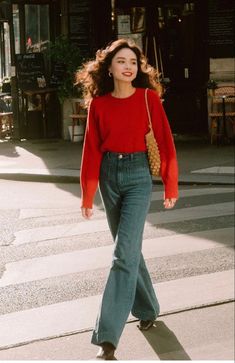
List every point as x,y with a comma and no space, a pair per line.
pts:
119,125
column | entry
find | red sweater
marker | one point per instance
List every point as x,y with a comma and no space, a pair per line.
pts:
119,125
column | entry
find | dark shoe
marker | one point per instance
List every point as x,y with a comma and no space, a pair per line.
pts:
145,324
106,352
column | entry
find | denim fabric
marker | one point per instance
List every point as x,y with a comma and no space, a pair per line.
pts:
126,186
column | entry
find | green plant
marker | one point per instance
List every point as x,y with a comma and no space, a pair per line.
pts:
66,59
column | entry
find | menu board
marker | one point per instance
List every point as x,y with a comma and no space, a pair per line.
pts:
221,28
30,71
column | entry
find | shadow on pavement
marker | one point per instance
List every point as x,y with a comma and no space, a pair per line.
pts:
165,343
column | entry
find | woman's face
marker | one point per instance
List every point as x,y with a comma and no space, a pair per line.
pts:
124,65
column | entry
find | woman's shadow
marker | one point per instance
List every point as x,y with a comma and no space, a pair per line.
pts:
164,342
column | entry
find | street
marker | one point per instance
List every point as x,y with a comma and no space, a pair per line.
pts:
79,82
53,260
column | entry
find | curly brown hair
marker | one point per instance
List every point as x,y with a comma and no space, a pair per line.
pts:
94,78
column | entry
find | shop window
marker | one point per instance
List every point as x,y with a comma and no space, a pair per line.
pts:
131,24
37,30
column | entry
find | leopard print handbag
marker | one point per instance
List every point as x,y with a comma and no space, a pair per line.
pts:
152,146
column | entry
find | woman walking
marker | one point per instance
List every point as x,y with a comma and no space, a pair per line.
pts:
114,155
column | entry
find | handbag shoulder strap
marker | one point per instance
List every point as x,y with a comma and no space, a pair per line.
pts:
147,107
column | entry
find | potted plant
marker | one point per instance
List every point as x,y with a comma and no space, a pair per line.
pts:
65,59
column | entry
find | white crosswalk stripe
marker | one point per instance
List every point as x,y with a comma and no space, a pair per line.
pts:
72,262
79,314
29,213
47,233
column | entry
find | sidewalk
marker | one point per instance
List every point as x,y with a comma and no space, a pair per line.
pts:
59,161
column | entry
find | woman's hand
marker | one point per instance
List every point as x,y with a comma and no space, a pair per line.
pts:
169,203
87,212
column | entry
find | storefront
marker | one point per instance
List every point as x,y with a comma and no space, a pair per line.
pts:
36,23
33,25
185,40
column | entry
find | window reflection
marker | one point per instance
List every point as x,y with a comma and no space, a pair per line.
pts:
37,32
5,53
16,25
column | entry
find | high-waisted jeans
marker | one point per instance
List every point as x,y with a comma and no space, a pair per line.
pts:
126,186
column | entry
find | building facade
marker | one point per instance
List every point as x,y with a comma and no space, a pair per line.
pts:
190,42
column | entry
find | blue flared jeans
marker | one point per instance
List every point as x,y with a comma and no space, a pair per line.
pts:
126,186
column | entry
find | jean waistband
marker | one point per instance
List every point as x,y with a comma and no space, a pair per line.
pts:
128,156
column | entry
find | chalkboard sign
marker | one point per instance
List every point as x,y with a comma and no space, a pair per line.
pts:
30,71
58,74
221,28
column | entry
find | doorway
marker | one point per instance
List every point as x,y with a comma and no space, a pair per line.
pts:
173,36
181,36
